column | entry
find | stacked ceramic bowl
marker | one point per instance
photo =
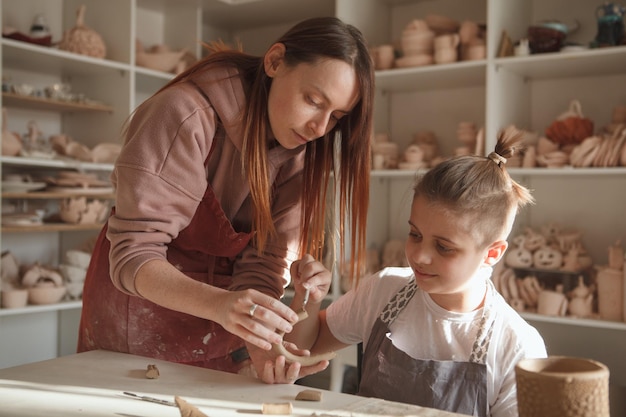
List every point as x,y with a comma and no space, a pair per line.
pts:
417,45
74,271
44,284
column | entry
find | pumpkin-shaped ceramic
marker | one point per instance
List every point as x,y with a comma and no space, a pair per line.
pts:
519,257
547,258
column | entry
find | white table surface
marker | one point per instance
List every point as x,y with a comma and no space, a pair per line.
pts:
92,384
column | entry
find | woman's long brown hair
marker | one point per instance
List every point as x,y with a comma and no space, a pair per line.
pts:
308,42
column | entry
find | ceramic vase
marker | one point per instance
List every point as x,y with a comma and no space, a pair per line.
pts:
610,294
561,386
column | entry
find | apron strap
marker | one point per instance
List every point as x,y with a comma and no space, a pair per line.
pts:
485,329
398,302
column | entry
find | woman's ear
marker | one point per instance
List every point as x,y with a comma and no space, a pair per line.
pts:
273,58
495,252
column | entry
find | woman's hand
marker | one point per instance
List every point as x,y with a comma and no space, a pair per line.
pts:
254,317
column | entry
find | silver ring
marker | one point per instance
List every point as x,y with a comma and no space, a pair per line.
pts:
252,309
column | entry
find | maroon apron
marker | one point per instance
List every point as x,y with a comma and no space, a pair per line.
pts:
112,320
391,374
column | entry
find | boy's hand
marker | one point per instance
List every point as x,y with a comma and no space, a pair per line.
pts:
308,273
275,370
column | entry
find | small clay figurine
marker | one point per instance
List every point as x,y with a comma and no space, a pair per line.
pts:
581,302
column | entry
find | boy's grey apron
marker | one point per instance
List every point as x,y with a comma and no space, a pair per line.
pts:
391,374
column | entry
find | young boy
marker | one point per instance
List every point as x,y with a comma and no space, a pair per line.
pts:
437,334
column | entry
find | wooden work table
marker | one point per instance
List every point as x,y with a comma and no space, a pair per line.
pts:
93,384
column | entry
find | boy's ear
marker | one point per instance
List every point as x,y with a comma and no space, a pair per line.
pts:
272,59
495,252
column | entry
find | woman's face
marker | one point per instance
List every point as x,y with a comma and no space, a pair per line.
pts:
306,101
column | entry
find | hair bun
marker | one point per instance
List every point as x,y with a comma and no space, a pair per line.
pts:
497,158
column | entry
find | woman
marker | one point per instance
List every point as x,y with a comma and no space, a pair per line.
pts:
220,185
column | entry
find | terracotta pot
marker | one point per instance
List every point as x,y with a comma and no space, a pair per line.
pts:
561,386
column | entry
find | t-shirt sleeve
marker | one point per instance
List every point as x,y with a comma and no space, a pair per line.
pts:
351,318
524,342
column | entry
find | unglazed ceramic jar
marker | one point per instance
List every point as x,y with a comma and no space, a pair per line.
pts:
561,386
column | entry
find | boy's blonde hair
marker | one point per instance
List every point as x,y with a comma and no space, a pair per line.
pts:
479,188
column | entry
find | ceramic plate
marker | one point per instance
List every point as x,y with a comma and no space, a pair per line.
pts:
21,187
21,220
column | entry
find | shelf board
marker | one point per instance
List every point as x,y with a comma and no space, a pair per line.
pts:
55,163
37,103
22,55
573,321
531,172
244,16
50,195
568,171
432,77
31,309
52,227
593,62
395,173
150,73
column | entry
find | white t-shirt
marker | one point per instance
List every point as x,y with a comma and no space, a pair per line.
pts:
424,330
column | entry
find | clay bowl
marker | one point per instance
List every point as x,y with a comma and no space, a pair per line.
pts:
73,273
106,152
78,258
159,61
45,294
75,290
543,39
14,298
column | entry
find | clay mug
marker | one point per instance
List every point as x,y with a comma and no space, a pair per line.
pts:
475,52
383,57
523,49
552,303
450,40
14,298
445,55
378,161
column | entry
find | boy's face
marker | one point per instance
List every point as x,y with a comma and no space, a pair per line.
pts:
445,258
